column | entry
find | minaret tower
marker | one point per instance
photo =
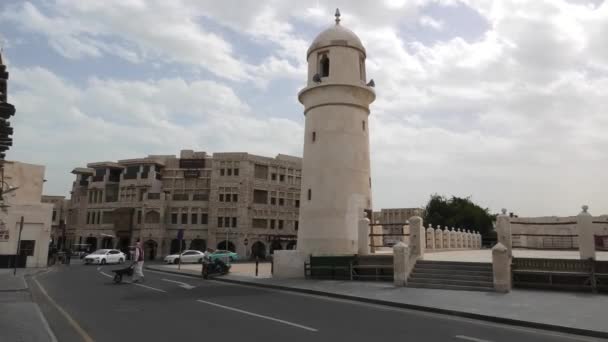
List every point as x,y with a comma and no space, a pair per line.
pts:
336,183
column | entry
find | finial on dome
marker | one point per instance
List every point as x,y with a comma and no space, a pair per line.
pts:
337,16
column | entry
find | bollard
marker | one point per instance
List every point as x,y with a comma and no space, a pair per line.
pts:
503,231
501,268
257,261
586,239
401,258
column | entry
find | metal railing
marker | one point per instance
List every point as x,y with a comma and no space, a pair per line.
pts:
384,235
545,241
565,274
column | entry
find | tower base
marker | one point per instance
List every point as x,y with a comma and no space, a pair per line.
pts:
288,264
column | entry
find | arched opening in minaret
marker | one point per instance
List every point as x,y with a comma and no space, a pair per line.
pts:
362,68
324,66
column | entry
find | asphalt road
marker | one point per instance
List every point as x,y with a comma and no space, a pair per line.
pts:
85,305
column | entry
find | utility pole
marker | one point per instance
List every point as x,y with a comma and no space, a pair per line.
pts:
18,246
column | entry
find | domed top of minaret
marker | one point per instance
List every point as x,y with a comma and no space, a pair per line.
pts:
337,35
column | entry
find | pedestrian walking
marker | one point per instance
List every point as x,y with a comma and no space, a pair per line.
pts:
68,256
138,271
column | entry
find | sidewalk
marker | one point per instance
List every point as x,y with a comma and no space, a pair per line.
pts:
568,312
20,318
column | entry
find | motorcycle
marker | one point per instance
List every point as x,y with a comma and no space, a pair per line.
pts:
213,267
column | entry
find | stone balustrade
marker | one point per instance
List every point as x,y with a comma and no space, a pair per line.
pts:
450,238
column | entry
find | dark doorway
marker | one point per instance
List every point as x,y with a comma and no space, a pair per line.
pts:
258,249
198,245
107,242
175,248
150,248
291,245
92,244
226,245
275,246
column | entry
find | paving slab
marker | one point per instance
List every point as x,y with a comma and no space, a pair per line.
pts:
21,318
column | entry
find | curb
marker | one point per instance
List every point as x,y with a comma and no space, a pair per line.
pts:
487,318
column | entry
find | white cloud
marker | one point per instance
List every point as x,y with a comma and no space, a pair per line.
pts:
430,22
64,126
515,118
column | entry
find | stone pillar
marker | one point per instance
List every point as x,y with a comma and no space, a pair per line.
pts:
288,264
469,239
401,259
477,238
430,238
503,230
501,267
459,237
363,239
446,238
438,238
453,240
377,241
586,239
417,239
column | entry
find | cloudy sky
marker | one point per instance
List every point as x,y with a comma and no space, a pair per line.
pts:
505,101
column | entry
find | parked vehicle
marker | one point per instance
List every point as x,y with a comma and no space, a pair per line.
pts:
105,256
188,256
223,255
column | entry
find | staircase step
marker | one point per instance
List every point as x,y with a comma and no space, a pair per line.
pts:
448,287
454,267
443,271
474,283
418,275
453,263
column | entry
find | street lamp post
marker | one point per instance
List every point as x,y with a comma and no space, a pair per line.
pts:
18,245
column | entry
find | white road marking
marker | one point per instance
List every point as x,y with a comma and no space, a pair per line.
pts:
140,285
45,323
258,315
105,274
149,287
182,285
468,338
99,268
67,316
191,276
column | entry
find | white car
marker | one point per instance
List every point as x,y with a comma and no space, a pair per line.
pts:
105,256
187,256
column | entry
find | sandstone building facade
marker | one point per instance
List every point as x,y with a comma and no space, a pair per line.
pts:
236,201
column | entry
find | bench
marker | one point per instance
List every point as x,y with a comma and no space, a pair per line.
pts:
379,272
567,274
329,267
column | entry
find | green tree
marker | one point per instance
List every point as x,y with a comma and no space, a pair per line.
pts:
459,213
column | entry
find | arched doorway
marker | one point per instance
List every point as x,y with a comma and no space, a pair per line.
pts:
150,248
175,248
226,245
258,249
292,245
275,246
107,242
91,243
198,245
